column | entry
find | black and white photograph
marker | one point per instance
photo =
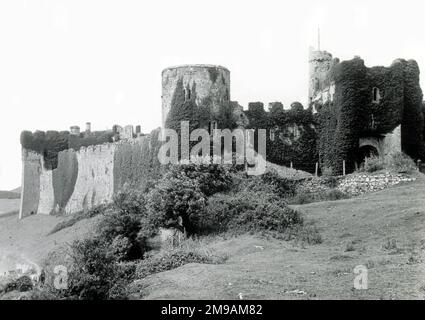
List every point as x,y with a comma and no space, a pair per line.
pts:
228,152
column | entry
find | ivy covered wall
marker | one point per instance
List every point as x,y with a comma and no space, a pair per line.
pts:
291,134
50,143
355,112
137,163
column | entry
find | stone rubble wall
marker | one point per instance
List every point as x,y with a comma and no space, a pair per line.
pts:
364,183
354,184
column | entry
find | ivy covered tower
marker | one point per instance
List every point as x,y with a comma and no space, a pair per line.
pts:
207,84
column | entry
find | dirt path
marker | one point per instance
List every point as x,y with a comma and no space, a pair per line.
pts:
384,231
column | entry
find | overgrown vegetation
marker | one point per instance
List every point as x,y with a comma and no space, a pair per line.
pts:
396,162
50,143
78,217
293,138
354,114
197,199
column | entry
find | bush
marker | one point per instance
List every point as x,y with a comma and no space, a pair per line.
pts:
248,212
169,260
399,162
176,202
21,284
396,162
282,186
121,248
93,271
373,164
120,226
211,178
180,197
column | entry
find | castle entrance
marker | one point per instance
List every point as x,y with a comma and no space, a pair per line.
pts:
366,151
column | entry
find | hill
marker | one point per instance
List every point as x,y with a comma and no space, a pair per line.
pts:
383,231
17,190
9,195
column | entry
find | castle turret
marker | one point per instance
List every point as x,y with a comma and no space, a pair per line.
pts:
320,63
75,130
198,82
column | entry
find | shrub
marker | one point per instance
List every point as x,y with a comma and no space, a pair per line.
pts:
176,202
211,178
121,224
121,248
248,211
21,284
93,271
373,164
399,162
283,187
169,260
180,197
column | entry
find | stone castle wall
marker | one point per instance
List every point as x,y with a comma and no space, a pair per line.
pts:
47,200
30,194
85,178
209,82
95,180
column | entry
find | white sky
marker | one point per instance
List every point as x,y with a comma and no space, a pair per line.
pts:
69,62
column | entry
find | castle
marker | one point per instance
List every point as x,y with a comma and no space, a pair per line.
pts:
365,111
353,111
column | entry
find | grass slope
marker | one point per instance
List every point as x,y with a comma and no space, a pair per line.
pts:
384,231
9,195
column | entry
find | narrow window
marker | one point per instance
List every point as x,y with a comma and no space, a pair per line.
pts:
376,95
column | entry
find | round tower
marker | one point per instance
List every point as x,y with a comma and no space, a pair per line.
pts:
199,82
320,63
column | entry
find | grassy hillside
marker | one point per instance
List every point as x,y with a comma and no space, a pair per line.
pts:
9,195
384,231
